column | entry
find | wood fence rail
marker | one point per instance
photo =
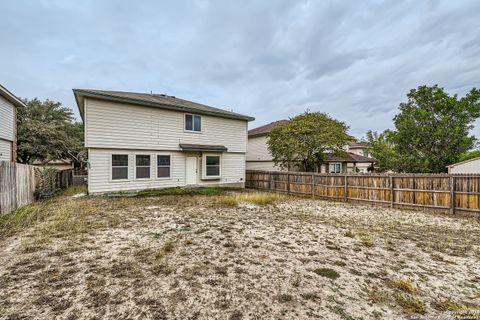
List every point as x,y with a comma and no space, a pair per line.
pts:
452,193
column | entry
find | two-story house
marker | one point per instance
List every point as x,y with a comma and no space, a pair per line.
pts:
139,141
8,124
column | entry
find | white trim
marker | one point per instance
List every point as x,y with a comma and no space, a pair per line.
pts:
193,123
110,178
156,166
204,166
135,166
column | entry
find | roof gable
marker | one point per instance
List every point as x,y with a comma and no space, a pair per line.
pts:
10,97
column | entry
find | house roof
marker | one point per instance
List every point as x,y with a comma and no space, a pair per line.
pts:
358,144
10,97
155,100
263,130
351,157
462,162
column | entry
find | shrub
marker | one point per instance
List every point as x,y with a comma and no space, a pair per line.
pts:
47,187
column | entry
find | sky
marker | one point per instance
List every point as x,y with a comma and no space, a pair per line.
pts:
355,60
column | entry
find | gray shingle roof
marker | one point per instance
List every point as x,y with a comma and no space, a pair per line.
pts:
160,101
262,130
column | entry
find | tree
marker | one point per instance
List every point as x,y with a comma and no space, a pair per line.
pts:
306,139
469,155
383,150
46,131
431,131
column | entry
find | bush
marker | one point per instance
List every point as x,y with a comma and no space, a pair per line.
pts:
47,187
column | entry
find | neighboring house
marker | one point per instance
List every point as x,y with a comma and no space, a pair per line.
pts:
139,141
259,157
57,164
8,124
467,166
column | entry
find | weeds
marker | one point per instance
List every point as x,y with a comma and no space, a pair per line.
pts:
257,198
404,285
327,273
410,304
207,191
448,305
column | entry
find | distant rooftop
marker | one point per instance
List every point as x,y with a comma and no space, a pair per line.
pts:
262,130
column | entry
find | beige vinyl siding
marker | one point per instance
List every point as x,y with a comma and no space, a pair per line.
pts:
6,120
258,149
262,165
5,150
472,166
99,175
117,125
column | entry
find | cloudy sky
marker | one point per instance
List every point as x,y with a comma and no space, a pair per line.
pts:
355,60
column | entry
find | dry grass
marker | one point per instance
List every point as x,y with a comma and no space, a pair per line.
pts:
256,198
189,257
404,285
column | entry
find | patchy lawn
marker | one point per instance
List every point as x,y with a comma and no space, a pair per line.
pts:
233,256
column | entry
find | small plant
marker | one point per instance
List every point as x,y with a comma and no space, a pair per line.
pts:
404,285
448,305
284,298
327,273
410,304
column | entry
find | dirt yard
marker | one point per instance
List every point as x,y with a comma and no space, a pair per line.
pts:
198,257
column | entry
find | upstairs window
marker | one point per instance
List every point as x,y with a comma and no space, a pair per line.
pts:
212,166
142,166
163,166
119,166
335,168
193,123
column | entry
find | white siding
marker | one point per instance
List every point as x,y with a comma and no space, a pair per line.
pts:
258,149
99,179
6,120
466,167
5,150
262,165
117,125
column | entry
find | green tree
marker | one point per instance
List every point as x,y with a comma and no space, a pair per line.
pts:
383,150
46,131
469,155
306,139
432,130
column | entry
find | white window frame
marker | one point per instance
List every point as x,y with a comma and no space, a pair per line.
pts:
156,166
193,123
204,166
335,166
135,165
110,162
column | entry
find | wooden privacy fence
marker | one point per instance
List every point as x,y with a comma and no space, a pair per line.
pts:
453,193
71,177
17,185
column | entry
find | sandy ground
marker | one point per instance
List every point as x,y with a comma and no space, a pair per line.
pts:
186,258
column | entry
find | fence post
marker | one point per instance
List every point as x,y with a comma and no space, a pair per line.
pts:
288,183
392,195
313,185
269,181
345,184
452,195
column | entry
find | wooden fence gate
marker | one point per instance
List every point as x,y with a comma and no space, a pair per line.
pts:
452,193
